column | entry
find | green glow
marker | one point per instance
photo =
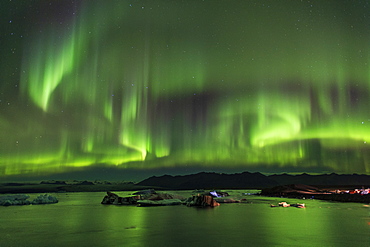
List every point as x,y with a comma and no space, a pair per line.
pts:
152,85
50,67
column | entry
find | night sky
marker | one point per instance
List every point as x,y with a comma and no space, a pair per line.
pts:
132,88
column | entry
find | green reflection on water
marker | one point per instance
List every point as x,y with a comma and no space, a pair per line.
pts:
79,218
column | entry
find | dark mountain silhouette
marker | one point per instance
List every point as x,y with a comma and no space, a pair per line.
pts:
210,180
332,179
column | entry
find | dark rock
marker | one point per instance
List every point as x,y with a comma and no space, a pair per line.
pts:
291,189
344,197
202,201
160,196
154,198
112,198
151,194
145,192
226,200
165,202
306,191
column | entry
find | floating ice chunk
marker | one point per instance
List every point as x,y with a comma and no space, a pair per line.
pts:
21,199
44,199
10,200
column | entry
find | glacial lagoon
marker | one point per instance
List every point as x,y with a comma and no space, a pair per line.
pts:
79,219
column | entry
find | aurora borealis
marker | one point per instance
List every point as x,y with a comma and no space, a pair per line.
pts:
273,86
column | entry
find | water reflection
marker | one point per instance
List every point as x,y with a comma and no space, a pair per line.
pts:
79,218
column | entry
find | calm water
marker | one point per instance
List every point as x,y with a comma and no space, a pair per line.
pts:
80,220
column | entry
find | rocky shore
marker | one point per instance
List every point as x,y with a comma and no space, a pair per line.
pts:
310,192
150,198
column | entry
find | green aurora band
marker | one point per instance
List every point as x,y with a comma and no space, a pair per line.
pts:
280,85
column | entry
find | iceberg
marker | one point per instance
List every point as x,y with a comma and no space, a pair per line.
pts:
10,200
21,199
44,199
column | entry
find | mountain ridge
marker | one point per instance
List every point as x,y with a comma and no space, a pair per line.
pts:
252,180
